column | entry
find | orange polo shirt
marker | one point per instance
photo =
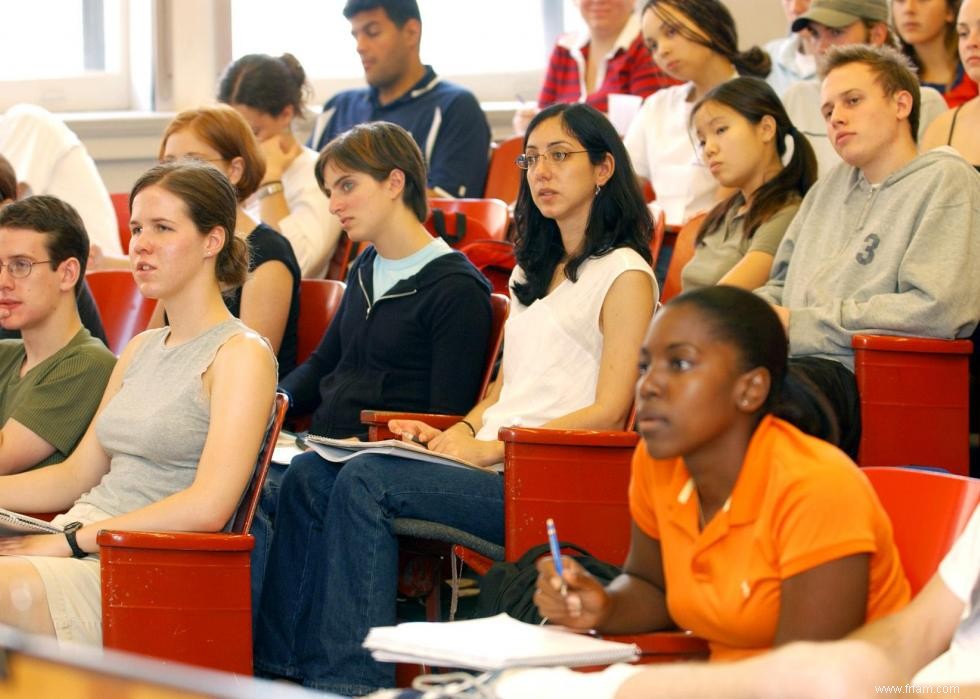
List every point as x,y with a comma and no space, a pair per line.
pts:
798,502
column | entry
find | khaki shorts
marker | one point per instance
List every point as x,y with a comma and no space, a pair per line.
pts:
73,585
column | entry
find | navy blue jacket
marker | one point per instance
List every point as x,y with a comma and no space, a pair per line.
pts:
421,347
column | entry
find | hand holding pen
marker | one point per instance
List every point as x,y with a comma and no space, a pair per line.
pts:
566,593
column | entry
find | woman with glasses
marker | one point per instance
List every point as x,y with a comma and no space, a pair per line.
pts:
743,135
268,91
268,301
582,294
694,41
175,438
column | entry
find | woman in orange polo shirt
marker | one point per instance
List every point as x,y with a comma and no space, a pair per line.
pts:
746,531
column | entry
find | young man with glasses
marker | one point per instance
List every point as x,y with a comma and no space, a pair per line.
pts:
51,381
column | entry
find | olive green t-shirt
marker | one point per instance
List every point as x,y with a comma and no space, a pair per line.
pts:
724,247
57,399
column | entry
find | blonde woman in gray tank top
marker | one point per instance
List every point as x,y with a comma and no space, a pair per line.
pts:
178,430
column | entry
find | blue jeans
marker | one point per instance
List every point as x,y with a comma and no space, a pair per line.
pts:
332,572
262,527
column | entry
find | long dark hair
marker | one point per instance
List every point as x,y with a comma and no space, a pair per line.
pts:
950,40
618,218
751,326
754,99
720,34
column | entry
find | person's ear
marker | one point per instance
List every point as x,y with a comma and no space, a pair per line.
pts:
70,270
285,118
903,103
878,34
604,169
767,128
396,183
214,241
751,390
412,31
236,168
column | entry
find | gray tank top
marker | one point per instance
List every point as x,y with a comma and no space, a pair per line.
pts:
154,428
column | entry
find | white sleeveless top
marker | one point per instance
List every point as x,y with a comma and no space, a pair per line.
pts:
552,348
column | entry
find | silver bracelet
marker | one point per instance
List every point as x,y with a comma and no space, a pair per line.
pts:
269,189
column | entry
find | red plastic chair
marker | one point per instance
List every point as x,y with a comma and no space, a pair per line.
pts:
319,300
340,260
124,311
928,510
186,596
495,260
120,204
683,252
915,401
503,175
484,219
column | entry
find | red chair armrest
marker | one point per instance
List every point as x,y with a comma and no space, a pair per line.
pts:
477,561
894,343
175,541
570,438
377,421
665,646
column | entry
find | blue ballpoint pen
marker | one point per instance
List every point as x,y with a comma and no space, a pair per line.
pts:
556,554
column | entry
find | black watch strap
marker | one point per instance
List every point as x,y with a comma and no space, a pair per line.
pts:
71,530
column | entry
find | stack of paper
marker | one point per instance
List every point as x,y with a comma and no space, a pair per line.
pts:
493,643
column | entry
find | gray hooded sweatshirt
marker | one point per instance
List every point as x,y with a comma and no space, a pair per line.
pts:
899,258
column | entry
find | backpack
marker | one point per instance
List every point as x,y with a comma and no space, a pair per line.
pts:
509,587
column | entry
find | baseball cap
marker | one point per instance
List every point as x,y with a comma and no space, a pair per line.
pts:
842,13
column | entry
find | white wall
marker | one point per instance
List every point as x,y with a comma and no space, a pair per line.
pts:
125,144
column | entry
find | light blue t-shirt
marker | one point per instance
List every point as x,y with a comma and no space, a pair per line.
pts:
387,272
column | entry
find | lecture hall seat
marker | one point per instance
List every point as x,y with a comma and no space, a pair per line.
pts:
483,219
186,597
503,175
120,205
124,311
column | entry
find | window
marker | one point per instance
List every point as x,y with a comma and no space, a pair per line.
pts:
497,49
65,55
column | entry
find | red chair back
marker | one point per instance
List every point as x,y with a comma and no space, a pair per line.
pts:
319,300
340,260
915,401
124,311
500,308
928,511
242,523
120,204
683,252
484,219
503,175
495,260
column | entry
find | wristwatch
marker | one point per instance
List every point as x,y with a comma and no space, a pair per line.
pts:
71,530
269,189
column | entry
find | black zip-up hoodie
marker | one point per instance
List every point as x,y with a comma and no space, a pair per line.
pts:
420,347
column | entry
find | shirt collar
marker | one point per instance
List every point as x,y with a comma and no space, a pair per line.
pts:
579,40
427,82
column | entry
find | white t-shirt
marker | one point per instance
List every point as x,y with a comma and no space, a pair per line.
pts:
660,146
49,157
310,227
552,348
960,571
802,102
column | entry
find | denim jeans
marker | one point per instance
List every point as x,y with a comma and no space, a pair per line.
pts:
332,572
261,531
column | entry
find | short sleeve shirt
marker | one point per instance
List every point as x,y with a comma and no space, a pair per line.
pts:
723,248
798,503
56,399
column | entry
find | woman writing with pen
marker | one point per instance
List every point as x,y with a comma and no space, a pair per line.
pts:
746,531
583,292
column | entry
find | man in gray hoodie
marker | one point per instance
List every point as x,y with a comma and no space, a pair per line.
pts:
886,242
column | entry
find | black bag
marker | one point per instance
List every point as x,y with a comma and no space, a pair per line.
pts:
509,587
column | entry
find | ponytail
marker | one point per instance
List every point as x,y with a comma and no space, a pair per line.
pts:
799,402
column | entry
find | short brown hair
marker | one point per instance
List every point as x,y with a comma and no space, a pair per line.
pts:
8,180
225,130
893,72
210,201
377,148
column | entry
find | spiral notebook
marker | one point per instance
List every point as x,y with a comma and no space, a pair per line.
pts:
16,524
493,643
